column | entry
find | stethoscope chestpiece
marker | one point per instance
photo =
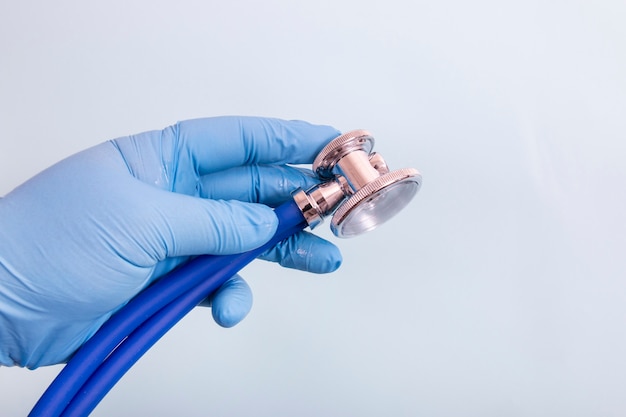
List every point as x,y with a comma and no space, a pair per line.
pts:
371,193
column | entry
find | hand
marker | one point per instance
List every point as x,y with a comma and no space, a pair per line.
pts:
83,237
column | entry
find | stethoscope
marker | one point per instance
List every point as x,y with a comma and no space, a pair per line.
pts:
358,189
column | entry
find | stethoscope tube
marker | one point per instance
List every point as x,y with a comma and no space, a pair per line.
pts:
129,333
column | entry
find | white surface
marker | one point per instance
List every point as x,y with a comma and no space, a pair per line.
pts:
499,292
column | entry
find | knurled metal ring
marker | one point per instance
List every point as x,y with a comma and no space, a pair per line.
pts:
338,148
373,189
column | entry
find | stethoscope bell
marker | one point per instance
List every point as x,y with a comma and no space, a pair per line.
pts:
360,190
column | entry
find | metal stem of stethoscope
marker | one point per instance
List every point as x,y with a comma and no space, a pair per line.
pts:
359,191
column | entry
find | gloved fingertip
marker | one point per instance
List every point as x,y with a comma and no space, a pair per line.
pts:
322,134
306,252
228,318
327,131
262,223
241,226
331,262
232,302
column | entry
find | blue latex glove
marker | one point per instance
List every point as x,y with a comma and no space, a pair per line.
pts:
83,237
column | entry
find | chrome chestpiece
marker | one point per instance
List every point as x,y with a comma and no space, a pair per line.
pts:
359,189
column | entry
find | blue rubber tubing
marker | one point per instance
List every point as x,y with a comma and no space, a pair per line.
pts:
128,334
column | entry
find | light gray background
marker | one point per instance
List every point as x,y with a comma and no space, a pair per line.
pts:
499,292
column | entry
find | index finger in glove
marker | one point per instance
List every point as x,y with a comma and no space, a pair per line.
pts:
215,144
176,157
